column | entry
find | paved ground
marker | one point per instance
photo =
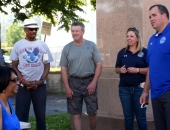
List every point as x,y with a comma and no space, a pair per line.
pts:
56,103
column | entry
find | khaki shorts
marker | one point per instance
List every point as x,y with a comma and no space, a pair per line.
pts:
80,93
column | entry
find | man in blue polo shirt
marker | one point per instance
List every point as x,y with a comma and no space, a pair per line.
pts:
158,77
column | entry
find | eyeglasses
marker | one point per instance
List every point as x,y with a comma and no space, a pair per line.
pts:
15,80
32,29
133,29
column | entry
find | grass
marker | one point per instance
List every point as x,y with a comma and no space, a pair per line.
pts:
60,92
56,69
54,122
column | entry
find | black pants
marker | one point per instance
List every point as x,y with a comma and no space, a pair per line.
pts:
161,111
38,98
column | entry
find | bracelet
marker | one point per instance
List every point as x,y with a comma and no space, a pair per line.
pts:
137,70
145,91
21,80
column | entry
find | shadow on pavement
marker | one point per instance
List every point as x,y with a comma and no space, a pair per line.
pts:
55,104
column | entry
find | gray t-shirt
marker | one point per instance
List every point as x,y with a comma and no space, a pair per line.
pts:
80,60
30,56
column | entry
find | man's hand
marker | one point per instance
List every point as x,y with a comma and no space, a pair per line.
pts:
69,93
27,84
32,84
91,88
143,98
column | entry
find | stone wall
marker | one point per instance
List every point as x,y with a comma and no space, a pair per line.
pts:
54,83
114,17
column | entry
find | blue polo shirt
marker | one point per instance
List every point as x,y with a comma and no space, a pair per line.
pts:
129,59
159,62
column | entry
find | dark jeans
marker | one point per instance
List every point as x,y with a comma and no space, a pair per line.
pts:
161,111
38,98
129,97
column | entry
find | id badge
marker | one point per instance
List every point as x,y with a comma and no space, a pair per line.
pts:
45,58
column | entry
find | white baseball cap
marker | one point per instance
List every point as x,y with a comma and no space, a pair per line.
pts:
30,23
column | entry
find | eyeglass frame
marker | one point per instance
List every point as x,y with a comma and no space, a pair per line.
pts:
15,80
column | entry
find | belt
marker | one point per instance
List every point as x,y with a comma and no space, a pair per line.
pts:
82,78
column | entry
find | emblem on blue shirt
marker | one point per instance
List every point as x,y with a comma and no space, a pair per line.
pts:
163,39
140,54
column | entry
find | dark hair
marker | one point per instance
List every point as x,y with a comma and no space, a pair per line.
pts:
132,29
79,24
162,9
139,44
5,76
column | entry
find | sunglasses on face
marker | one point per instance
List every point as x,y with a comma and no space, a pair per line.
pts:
32,29
133,29
15,80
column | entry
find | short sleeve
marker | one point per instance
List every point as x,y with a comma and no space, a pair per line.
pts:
96,54
64,59
50,58
14,54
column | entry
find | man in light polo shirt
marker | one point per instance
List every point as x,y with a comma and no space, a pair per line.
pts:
81,66
158,77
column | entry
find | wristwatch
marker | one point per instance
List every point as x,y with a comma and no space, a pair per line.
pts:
43,80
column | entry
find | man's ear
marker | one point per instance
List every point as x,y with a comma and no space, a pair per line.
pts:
25,30
164,16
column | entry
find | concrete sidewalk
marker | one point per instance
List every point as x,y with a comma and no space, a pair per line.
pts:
56,103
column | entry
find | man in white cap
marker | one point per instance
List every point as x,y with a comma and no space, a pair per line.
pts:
27,59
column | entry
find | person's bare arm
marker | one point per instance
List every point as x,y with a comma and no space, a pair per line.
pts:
31,84
24,82
15,66
64,74
143,70
92,86
145,93
98,72
134,70
46,71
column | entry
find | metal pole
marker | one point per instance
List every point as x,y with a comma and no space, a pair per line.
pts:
44,38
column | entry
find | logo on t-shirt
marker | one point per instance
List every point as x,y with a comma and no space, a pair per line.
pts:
32,56
163,39
140,54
